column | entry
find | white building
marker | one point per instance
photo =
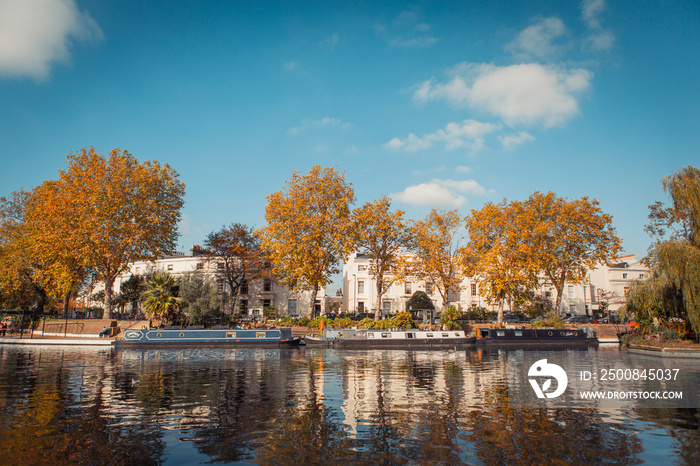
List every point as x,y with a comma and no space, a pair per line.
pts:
604,286
254,296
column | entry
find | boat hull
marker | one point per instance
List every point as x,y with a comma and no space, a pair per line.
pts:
235,338
534,337
404,339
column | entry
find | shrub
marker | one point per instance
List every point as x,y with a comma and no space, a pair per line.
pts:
551,320
403,320
449,318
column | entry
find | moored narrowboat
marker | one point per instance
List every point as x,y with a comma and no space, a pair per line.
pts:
214,337
399,339
535,337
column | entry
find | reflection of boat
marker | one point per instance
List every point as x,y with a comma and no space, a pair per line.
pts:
197,336
535,337
409,338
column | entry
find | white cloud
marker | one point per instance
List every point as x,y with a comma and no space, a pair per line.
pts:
538,40
323,122
463,169
591,10
509,142
439,193
599,39
36,33
468,134
525,94
429,194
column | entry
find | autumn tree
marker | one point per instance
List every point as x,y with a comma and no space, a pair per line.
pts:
308,232
237,251
34,270
568,238
437,250
114,210
382,236
504,264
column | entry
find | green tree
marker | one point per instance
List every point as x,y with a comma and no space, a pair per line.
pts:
675,254
419,301
160,300
199,298
309,229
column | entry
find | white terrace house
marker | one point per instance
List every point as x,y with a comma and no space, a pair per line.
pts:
603,285
253,296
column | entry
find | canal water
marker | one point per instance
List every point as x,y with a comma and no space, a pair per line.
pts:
313,406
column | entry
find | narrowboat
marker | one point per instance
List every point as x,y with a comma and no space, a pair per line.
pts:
214,337
399,339
535,337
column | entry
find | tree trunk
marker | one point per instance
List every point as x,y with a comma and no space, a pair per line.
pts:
378,311
313,301
66,302
559,285
109,284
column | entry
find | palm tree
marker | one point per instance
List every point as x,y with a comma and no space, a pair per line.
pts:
160,298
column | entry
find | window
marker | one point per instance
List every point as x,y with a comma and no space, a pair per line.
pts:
428,288
220,265
361,306
572,309
641,275
386,307
267,285
474,289
220,284
244,306
362,268
360,287
200,265
244,287
292,307
572,292
407,288
267,303
170,267
624,275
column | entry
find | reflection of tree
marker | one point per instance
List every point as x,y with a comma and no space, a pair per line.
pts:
305,433
683,425
50,423
504,435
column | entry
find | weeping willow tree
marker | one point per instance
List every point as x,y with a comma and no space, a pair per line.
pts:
675,256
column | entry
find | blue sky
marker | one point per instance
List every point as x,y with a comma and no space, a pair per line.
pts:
438,104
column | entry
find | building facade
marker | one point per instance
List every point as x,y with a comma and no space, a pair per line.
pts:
603,289
254,295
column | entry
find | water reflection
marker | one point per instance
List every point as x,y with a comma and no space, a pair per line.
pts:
92,406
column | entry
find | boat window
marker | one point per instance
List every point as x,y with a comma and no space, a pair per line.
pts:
501,334
385,335
409,335
370,335
230,334
518,333
430,335
259,334
444,335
